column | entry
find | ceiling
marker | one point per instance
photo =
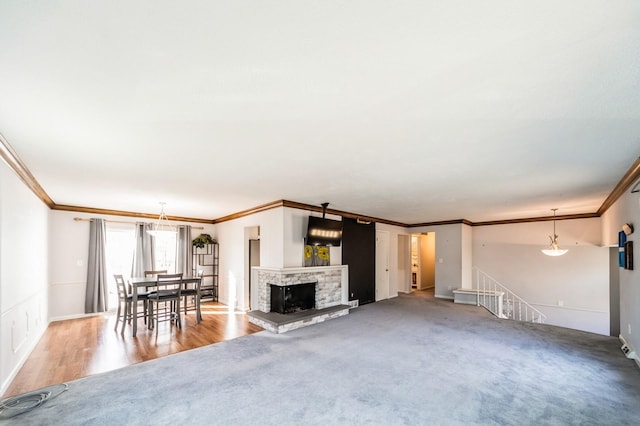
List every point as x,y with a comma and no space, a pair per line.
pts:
412,111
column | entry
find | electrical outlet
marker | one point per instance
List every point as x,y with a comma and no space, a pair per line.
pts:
560,302
629,328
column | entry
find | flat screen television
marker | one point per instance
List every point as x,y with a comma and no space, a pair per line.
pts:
324,232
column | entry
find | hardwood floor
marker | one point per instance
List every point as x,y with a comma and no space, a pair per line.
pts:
77,348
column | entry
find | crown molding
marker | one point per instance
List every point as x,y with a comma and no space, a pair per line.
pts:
442,222
15,163
303,206
627,180
248,212
537,219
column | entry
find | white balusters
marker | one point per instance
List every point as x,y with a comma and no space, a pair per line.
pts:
502,302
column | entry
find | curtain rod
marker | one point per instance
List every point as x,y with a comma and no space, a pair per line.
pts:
77,219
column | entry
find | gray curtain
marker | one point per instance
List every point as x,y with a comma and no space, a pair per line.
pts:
184,261
97,295
144,253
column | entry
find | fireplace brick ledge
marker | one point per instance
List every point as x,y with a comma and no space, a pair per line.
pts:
279,323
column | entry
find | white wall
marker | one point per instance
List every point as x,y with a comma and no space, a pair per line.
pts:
626,210
24,270
579,280
234,274
69,248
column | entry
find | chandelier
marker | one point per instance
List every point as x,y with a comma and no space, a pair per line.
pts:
554,249
162,227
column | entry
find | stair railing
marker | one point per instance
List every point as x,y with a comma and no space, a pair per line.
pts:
502,302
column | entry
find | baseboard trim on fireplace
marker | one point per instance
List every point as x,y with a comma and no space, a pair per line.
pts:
281,323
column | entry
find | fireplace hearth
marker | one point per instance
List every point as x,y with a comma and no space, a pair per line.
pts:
293,298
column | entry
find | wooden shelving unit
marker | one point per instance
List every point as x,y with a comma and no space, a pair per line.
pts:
207,259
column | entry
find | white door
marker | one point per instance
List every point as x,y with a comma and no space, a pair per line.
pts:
382,265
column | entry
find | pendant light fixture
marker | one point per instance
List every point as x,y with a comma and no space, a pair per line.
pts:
554,249
162,226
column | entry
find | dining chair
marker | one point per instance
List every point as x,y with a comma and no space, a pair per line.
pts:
125,300
168,296
154,273
192,291
149,274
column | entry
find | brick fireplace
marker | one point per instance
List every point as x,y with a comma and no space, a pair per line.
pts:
331,294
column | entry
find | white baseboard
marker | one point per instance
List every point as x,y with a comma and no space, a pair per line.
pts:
439,296
76,316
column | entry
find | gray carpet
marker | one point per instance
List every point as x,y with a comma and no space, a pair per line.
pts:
408,360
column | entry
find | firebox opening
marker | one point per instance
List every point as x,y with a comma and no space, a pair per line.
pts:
293,298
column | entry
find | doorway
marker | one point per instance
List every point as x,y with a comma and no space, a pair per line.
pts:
423,261
254,260
359,253
251,259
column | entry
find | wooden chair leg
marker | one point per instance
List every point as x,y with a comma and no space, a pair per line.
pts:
151,318
118,315
124,318
156,318
177,313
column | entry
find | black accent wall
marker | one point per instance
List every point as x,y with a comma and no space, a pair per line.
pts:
359,252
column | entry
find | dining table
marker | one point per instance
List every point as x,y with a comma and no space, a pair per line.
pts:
145,282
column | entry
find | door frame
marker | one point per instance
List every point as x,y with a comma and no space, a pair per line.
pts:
382,265
252,262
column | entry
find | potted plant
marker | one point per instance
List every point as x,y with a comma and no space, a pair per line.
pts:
201,241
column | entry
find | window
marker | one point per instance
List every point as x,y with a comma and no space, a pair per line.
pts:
121,244
166,253
119,254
